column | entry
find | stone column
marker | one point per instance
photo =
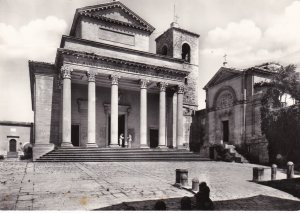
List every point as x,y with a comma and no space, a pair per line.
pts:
114,137
162,115
91,110
66,107
143,114
179,137
174,120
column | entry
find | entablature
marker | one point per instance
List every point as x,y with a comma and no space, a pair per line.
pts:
107,50
83,62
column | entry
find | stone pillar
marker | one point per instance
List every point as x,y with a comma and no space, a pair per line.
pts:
162,115
290,170
273,171
174,120
91,110
179,137
143,114
114,137
66,107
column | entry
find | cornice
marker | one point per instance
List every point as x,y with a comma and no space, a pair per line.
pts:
85,11
118,4
102,18
121,62
118,48
15,123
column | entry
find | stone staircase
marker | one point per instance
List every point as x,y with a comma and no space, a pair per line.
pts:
237,157
118,155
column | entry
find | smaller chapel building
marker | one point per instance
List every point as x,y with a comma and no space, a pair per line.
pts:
105,83
233,102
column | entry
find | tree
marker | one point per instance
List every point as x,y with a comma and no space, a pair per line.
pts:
281,125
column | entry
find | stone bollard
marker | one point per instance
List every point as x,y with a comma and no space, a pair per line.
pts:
258,173
195,184
273,171
182,177
290,170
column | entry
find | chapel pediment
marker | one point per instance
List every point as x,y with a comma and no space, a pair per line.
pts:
222,75
116,12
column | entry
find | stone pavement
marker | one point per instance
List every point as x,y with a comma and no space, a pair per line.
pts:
87,186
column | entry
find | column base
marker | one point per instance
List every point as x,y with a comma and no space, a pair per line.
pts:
91,145
144,146
114,146
181,147
66,144
162,147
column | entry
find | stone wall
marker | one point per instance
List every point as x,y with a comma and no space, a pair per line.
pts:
47,109
98,31
166,39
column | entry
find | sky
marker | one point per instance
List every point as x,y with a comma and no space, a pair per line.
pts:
249,32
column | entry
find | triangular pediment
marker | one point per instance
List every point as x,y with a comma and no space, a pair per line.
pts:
116,12
222,75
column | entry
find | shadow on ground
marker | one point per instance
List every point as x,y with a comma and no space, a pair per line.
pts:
291,186
260,202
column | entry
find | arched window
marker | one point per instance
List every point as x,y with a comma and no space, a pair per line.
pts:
164,50
12,145
186,52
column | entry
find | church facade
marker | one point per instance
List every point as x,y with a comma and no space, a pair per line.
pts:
106,84
233,102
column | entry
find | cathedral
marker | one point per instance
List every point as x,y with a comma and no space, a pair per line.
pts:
106,88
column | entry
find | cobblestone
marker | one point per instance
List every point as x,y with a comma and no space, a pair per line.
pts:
87,186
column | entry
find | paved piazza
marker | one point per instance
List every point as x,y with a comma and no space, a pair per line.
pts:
87,186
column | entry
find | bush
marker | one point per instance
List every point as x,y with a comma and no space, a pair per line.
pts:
222,153
1,157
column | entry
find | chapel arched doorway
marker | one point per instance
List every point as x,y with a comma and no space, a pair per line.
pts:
12,145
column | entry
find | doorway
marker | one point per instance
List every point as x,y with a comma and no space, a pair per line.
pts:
225,131
75,134
153,138
13,145
121,128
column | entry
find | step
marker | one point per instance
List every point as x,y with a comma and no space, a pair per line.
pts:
117,160
118,154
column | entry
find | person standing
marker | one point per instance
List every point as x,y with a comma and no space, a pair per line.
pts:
121,140
129,140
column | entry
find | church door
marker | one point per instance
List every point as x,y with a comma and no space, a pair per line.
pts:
153,138
75,134
12,145
225,131
121,127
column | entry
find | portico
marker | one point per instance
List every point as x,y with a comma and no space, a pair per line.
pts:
95,79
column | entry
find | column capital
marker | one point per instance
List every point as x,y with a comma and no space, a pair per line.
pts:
114,79
66,71
162,86
180,89
144,83
91,76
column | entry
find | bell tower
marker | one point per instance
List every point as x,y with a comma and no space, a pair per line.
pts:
178,43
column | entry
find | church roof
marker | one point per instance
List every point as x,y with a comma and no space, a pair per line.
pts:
225,73
121,15
222,75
